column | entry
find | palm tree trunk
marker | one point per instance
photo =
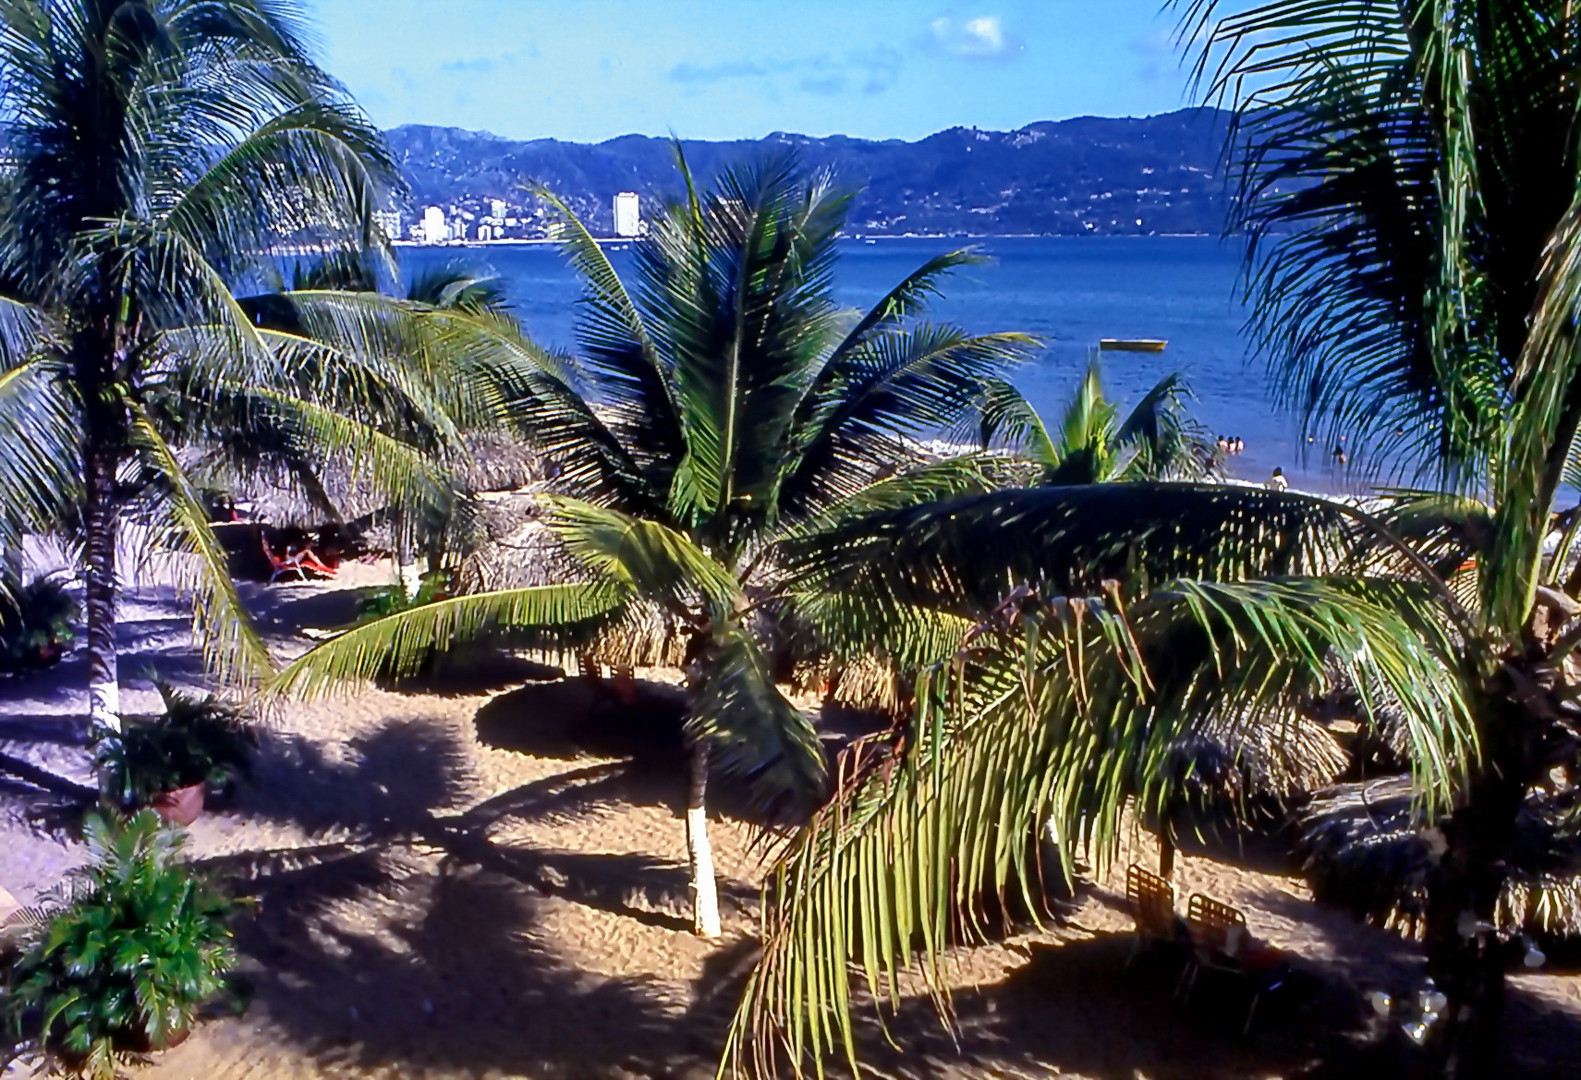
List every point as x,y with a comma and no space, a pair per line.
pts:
99,528
1464,955
700,856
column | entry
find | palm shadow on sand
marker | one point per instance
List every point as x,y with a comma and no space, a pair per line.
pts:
456,975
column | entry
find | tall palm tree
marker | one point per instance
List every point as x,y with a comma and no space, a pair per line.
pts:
1408,176
723,402
159,156
1157,440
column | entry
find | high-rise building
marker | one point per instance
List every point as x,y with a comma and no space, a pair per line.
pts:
434,228
628,219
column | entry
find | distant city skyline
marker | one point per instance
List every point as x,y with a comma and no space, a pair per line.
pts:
591,70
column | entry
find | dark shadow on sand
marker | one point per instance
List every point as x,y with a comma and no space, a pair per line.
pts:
386,784
352,996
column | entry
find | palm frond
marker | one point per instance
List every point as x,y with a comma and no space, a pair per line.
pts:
905,300
1546,416
1007,415
1167,442
399,645
1356,168
968,553
1056,722
645,557
636,380
232,647
925,382
929,481
754,734
39,447
540,396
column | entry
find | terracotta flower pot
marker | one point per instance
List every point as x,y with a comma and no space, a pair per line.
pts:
127,1042
138,1042
182,806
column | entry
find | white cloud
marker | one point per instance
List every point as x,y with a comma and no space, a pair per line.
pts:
982,36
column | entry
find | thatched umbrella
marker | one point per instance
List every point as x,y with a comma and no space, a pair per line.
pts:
1367,852
519,551
501,463
1235,763
1232,757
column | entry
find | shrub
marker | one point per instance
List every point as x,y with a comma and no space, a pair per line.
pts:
121,958
36,622
195,740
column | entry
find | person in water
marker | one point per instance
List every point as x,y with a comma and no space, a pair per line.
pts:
1277,481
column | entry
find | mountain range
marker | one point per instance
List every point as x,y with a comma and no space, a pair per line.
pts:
1159,174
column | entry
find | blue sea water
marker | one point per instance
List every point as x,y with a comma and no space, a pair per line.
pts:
1069,291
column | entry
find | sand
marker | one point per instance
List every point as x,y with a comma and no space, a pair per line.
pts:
478,880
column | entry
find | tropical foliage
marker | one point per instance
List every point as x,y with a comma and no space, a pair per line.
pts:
121,959
1157,440
195,739
723,405
159,155
1407,174
36,622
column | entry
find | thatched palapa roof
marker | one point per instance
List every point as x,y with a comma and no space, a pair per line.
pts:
1366,852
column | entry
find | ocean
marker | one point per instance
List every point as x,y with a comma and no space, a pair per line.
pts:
1069,291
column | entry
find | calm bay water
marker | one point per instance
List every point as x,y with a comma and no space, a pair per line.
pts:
1069,291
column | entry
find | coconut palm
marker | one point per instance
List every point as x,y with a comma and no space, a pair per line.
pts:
723,403
1407,177
159,154
1157,440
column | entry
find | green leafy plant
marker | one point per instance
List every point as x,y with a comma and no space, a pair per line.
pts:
393,599
1157,440
119,961
36,622
195,740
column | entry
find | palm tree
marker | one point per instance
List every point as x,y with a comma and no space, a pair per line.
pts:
1408,174
724,403
1157,440
160,155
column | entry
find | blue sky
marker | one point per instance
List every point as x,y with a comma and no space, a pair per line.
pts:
589,70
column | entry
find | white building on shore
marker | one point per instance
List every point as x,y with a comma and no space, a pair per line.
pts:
435,231
628,217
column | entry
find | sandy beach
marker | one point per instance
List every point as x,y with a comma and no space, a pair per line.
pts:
486,879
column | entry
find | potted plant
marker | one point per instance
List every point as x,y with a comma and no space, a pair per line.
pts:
170,760
36,622
119,961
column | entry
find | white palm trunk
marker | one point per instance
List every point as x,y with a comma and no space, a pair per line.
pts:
99,521
700,857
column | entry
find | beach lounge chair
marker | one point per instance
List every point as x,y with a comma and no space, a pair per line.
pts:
300,562
1220,942
1152,903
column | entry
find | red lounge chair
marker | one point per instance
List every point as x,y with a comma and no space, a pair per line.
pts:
301,563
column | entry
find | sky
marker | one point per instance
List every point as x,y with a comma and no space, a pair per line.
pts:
589,70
